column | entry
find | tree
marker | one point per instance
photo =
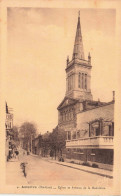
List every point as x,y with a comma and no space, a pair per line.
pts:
57,141
45,143
28,131
15,133
15,136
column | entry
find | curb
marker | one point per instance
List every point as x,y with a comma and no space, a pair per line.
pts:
104,175
92,172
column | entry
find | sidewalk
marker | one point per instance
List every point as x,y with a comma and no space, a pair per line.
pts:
97,171
14,174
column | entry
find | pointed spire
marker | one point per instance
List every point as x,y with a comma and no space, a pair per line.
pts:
89,58
6,108
67,60
78,51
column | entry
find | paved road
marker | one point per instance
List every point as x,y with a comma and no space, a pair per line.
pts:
40,171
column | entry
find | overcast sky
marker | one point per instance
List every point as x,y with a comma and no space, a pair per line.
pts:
39,41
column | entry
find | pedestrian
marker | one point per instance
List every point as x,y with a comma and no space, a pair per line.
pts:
16,152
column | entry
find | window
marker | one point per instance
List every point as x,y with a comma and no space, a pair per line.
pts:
68,135
97,131
82,80
94,129
78,134
62,117
72,82
66,116
110,130
85,81
79,80
92,152
69,83
71,115
74,135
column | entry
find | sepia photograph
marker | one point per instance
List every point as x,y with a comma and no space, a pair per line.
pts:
59,100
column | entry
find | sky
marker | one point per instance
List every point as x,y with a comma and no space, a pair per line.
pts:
38,42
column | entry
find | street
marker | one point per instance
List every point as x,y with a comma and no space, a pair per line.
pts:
40,172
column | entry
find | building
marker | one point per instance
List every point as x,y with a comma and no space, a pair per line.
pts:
41,145
36,145
89,124
9,131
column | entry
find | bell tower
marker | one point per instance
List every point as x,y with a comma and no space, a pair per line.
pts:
78,70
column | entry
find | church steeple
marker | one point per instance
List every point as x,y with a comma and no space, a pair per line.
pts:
78,70
78,51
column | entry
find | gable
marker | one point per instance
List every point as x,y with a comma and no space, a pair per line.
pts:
67,101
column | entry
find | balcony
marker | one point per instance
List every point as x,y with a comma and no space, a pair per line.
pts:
103,142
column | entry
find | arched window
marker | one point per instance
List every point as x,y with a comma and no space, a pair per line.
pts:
69,115
79,80
62,116
72,81
85,81
82,80
68,82
69,135
66,116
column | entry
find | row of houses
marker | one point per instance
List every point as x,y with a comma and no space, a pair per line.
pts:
9,132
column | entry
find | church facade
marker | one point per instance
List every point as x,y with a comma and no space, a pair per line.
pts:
89,124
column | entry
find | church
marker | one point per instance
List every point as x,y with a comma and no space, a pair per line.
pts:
89,124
